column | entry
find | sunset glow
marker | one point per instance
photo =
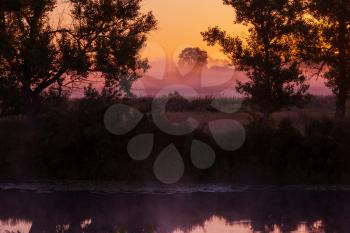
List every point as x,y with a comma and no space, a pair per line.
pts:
182,21
180,24
174,116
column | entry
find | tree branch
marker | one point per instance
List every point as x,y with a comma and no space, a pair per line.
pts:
42,86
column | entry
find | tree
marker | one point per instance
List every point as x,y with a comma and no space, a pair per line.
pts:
329,46
267,54
193,57
103,37
10,97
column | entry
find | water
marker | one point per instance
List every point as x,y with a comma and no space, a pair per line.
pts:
120,208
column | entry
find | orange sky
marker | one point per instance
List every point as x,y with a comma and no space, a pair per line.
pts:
182,21
180,25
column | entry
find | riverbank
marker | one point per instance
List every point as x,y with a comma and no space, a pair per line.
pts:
69,140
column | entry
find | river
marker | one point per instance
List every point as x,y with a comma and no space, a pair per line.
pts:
107,208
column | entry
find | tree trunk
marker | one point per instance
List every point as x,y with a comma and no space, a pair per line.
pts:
340,104
266,118
342,82
31,103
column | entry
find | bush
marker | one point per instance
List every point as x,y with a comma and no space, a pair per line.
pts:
68,140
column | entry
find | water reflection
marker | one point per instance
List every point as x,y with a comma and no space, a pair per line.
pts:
248,212
14,225
215,224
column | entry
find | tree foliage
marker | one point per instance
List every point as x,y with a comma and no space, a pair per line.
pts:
328,45
193,57
267,55
102,37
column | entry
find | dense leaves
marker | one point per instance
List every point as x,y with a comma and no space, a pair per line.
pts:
100,37
193,57
267,55
327,44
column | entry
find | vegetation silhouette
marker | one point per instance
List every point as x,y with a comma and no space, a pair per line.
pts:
193,57
39,66
326,43
103,37
71,142
266,55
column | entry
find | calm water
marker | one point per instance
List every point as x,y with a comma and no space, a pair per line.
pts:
209,209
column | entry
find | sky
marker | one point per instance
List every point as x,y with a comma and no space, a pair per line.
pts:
180,23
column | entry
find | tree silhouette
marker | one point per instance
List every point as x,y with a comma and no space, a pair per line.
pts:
102,37
193,57
10,97
328,45
267,54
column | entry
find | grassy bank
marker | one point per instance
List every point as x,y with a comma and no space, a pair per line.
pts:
68,140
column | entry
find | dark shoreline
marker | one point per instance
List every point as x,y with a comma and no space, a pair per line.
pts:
111,188
69,141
